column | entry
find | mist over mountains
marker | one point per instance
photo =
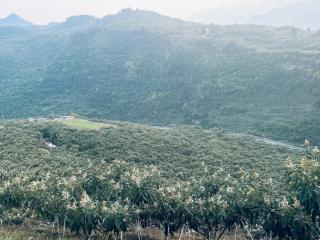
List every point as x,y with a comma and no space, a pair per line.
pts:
13,20
140,66
301,14
305,14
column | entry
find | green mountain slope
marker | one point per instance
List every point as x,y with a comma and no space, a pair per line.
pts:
143,67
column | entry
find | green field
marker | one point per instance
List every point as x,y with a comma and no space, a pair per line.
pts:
85,124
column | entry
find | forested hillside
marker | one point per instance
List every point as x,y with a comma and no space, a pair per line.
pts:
143,67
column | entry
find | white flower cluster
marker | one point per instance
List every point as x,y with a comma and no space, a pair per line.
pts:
267,199
37,186
114,208
85,201
65,195
284,204
289,163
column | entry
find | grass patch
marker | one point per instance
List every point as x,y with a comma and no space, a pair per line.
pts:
18,233
85,124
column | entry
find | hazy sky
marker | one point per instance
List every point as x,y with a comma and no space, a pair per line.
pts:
44,11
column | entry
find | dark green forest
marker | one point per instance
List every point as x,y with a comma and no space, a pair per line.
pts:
142,67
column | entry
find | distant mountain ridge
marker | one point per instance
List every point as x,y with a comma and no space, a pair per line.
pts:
13,20
126,19
305,14
142,19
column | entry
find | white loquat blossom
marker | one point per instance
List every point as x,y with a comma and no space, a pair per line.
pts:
284,204
65,195
266,199
289,163
270,182
230,189
189,200
85,200
296,203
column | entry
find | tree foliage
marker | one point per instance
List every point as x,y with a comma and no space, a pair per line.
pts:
90,195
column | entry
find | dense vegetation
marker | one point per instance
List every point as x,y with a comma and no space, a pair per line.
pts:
143,67
178,151
129,177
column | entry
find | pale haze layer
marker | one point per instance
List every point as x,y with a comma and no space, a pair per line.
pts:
45,11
